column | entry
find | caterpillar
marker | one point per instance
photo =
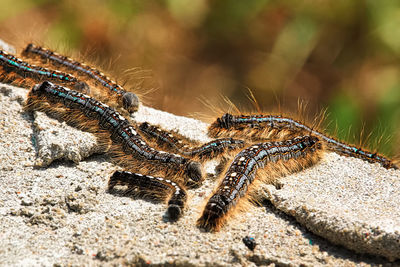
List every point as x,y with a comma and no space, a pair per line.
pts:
266,126
276,158
128,147
128,100
154,187
16,71
180,145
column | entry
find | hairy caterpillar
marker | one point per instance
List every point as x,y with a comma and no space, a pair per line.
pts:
276,158
266,126
180,145
16,71
155,187
128,148
114,91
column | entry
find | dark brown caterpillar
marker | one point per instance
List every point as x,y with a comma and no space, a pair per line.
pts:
128,148
155,187
167,140
16,71
114,91
276,158
267,126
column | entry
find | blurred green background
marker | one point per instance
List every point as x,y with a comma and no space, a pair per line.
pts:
342,56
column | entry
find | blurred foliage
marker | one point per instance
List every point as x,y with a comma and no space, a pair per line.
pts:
342,56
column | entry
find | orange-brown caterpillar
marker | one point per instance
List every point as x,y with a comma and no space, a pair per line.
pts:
262,126
16,71
179,144
114,91
155,187
130,149
276,158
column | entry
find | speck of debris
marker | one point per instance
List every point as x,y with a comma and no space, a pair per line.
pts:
250,242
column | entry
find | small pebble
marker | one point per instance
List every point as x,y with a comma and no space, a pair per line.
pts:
250,242
78,188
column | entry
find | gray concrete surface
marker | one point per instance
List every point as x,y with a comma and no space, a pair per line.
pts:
62,215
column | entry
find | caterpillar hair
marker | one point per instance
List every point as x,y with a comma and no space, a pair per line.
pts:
16,71
153,187
277,159
129,149
180,145
128,100
265,126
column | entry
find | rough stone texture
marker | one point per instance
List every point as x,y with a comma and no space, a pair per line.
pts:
348,201
62,214
55,140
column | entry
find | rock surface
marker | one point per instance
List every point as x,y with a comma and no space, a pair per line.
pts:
347,201
62,214
55,140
